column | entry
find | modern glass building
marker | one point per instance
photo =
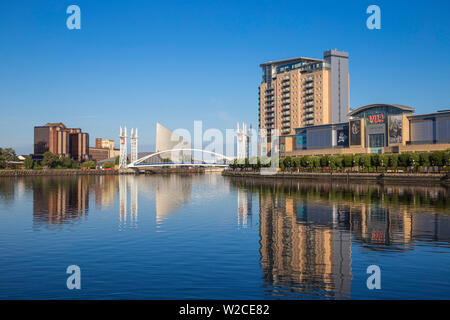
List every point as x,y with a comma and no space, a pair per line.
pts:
375,128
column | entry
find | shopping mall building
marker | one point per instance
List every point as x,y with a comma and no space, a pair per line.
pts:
375,128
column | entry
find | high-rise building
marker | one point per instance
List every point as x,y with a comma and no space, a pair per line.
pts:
302,92
57,138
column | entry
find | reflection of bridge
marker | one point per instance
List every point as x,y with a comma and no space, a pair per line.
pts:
187,160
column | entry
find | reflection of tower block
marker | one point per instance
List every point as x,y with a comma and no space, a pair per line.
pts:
243,138
244,207
123,148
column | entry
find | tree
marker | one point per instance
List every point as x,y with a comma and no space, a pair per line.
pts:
324,161
28,163
424,159
315,162
6,155
437,158
50,160
116,161
384,160
108,165
67,163
88,164
404,159
365,160
393,160
375,160
287,162
414,159
348,160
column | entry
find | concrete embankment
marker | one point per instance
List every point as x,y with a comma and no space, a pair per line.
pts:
55,172
390,178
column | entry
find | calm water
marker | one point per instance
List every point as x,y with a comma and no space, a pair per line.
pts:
211,237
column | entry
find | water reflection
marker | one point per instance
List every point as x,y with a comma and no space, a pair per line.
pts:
314,238
58,201
307,229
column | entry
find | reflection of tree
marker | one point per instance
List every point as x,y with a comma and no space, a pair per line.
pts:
7,190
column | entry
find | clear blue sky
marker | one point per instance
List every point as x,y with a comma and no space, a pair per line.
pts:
138,62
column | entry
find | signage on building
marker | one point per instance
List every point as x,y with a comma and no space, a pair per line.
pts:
376,118
300,141
342,137
395,129
355,132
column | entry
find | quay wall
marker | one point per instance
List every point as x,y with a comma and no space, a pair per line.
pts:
391,178
55,172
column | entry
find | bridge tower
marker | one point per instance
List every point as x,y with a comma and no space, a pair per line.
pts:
123,148
243,138
134,147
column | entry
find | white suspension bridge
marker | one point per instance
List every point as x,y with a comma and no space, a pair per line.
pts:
177,157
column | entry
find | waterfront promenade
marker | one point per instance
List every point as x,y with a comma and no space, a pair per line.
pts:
400,178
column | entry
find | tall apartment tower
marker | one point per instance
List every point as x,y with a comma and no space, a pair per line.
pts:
302,92
340,92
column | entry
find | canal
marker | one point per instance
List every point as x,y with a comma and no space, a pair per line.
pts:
214,237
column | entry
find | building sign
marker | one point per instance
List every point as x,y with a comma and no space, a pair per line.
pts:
376,119
395,129
300,141
342,137
355,132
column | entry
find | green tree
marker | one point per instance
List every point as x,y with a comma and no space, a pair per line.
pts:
6,155
424,159
315,162
375,160
287,162
28,163
89,164
325,161
50,160
108,165
68,163
414,159
348,160
357,160
393,160
437,158
365,160
116,160
384,160
404,159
